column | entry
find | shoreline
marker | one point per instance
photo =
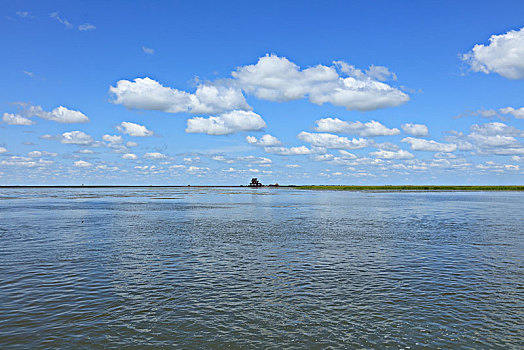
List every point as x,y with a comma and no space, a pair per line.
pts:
388,188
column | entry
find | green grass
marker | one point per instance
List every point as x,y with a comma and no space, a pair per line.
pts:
413,188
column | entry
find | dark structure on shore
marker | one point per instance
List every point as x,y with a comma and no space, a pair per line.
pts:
255,183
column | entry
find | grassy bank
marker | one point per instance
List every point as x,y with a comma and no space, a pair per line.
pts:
413,188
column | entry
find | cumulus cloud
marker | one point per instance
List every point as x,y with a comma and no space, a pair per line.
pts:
220,158
488,141
380,73
86,151
333,141
264,141
256,160
148,94
154,155
276,78
130,156
293,151
517,113
272,78
323,157
226,123
37,154
491,113
113,139
26,162
429,145
131,144
400,154
387,146
76,138
3,150
60,114
496,128
133,129
16,119
369,129
415,129
83,164
494,138
64,115
346,154
504,55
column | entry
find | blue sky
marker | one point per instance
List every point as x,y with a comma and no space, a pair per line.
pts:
317,92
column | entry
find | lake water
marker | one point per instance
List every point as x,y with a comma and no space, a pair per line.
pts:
260,268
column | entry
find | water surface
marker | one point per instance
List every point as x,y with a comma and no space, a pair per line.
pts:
260,268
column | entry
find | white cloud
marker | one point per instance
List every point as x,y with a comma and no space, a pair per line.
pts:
36,154
86,26
504,55
148,50
195,169
226,123
415,129
76,138
60,114
129,156
155,155
400,154
333,141
29,74
323,157
517,113
346,154
113,139
293,151
64,115
387,146
460,140
276,78
429,145
490,139
16,119
86,151
60,19
3,150
256,160
82,164
26,162
145,93
264,141
497,138
380,73
496,128
369,129
219,158
131,144
133,129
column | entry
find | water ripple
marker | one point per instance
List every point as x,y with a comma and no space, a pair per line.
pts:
216,268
